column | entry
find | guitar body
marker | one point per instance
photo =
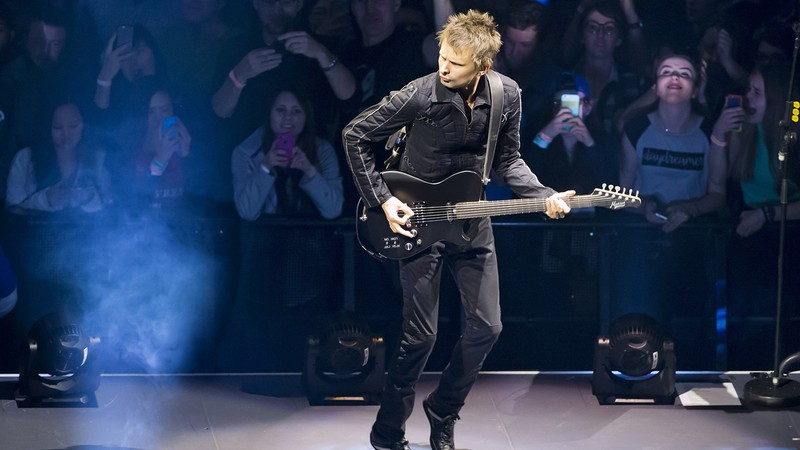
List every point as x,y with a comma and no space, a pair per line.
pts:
377,238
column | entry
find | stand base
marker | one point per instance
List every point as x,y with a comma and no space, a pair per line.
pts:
762,391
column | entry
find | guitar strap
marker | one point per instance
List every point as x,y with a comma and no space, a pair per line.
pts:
496,96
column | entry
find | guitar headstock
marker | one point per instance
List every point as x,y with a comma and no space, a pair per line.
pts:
615,197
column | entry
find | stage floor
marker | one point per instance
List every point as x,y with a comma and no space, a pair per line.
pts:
514,411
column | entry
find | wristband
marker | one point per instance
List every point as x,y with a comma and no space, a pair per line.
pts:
157,167
542,140
103,83
331,65
235,81
716,141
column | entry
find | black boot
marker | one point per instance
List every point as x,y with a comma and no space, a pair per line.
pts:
402,444
441,428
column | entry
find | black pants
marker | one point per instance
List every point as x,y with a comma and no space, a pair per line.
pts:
474,267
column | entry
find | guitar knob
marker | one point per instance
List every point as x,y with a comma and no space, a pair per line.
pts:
409,246
414,233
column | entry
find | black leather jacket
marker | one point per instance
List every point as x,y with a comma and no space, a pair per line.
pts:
441,140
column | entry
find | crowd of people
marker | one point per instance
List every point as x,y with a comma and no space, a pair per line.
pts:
117,104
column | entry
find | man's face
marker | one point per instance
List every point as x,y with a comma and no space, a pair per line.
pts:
457,69
600,35
277,16
45,44
518,46
374,17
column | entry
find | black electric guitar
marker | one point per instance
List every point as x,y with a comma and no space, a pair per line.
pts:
442,211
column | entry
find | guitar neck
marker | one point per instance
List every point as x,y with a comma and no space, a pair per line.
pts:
471,210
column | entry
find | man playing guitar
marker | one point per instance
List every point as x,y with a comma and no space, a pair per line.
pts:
447,115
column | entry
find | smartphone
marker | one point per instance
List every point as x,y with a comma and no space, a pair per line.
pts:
572,102
285,142
124,36
733,101
169,127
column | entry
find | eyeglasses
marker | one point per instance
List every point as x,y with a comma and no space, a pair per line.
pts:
596,28
686,75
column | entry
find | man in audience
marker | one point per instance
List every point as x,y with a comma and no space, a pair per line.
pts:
27,81
278,54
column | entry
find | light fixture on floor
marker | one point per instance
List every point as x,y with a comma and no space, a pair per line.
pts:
634,363
344,364
58,365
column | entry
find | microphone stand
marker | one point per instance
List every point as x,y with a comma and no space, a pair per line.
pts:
777,389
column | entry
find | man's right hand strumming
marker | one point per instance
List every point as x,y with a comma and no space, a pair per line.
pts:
398,215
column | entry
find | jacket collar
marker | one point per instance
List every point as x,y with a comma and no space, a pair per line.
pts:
442,94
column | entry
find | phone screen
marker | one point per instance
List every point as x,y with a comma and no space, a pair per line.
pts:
732,101
572,102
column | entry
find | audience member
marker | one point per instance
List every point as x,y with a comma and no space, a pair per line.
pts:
27,82
141,65
194,46
522,59
330,20
625,31
564,153
613,85
754,152
386,56
298,178
278,54
63,170
159,168
753,253
667,156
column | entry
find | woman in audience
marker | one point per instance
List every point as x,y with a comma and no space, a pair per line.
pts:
284,168
754,152
159,162
62,171
139,62
668,154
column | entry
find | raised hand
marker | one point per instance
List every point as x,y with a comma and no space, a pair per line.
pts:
257,62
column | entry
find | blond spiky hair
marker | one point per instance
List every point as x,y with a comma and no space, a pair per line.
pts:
472,31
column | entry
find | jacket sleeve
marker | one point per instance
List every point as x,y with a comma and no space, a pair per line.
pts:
21,188
375,124
251,184
508,163
325,188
